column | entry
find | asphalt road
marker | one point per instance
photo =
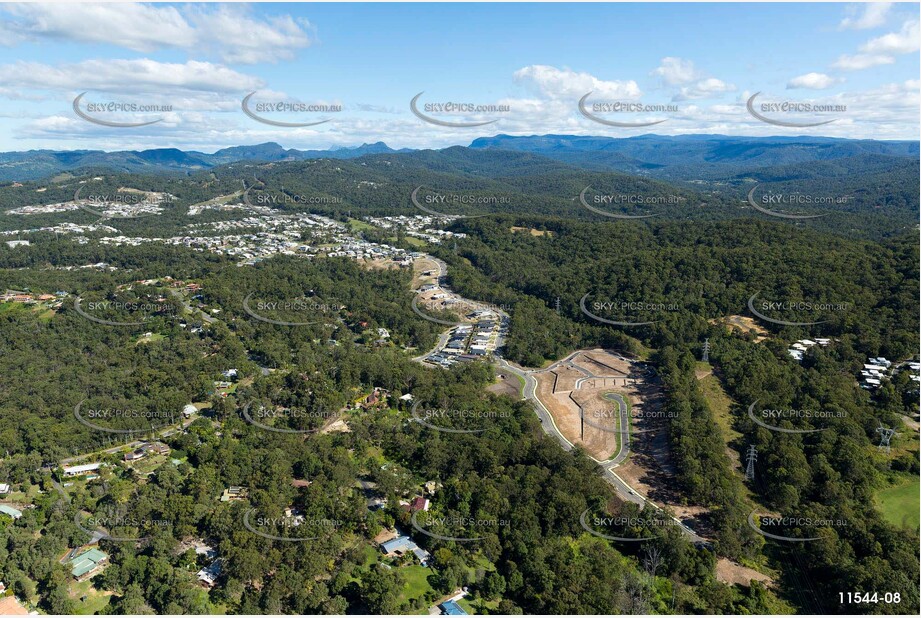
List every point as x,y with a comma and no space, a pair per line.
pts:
529,393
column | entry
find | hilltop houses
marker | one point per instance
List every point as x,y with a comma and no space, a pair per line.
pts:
403,545
85,565
209,575
234,493
798,349
879,368
72,471
6,509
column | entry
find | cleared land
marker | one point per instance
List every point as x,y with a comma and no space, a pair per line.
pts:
743,324
423,266
507,384
721,406
588,386
583,394
730,572
532,231
900,504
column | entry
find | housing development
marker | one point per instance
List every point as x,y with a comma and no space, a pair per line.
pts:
460,309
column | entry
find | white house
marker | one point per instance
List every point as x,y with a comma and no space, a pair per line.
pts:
82,469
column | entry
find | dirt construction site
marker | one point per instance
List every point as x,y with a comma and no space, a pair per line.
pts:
589,395
585,393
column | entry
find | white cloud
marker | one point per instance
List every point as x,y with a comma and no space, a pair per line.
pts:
694,83
124,76
137,27
881,50
874,15
859,62
906,41
813,81
676,71
704,89
232,33
241,38
557,84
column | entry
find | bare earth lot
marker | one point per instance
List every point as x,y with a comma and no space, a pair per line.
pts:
581,394
578,394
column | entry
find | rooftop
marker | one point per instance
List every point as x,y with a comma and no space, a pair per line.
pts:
451,608
86,562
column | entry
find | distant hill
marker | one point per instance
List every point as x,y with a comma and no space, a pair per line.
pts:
677,158
35,164
874,194
689,157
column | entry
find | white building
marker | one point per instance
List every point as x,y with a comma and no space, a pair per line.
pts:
82,469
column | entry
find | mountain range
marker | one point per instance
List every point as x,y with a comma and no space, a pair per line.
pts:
686,157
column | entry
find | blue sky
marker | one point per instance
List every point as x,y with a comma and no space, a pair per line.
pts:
703,62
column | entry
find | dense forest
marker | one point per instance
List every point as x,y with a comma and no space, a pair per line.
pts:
536,558
692,277
879,202
296,344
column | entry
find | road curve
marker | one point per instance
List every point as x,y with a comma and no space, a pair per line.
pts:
529,393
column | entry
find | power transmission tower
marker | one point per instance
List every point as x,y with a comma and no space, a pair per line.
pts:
751,457
885,436
706,357
556,304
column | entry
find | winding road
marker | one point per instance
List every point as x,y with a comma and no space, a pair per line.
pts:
529,393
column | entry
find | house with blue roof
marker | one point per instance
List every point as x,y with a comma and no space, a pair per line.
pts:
451,608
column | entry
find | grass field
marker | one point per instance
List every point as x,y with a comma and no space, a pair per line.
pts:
719,403
357,225
410,240
416,578
87,600
899,504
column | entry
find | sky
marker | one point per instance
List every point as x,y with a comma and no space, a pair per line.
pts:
697,65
